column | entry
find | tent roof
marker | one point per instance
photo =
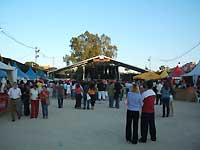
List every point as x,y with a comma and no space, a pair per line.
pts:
147,76
100,58
195,71
177,72
40,74
20,74
164,74
6,67
3,74
31,74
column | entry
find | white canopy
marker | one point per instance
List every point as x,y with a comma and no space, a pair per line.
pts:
194,73
6,67
11,71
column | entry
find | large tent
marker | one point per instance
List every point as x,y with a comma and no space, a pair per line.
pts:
31,74
195,73
147,76
3,74
20,73
11,71
41,75
164,74
177,72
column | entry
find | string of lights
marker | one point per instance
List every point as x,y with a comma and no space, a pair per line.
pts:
15,40
178,57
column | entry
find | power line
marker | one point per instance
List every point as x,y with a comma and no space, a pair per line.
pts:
15,40
175,58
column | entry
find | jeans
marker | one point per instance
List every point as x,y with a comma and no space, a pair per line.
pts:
44,109
86,102
60,101
116,102
165,105
111,101
54,93
101,94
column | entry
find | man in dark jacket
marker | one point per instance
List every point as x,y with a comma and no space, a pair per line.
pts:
117,91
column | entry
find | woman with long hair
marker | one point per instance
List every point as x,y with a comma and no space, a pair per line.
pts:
78,96
134,103
92,93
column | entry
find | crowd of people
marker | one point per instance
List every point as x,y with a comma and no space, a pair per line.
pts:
139,97
26,96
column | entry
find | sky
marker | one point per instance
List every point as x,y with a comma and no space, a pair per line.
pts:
141,29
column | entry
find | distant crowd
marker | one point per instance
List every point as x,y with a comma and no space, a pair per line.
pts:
140,97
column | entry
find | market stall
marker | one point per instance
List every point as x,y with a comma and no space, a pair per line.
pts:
12,77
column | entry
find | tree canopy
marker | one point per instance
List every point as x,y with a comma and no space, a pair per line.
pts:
88,45
33,64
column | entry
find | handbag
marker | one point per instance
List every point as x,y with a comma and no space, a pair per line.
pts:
88,97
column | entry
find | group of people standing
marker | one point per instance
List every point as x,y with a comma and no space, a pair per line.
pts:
144,101
28,96
87,93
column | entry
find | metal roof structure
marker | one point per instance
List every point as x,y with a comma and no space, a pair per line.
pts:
100,58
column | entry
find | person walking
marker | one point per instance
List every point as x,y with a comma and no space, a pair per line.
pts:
86,99
44,95
78,96
134,103
15,95
60,94
34,93
165,96
68,90
92,93
158,96
25,98
148,115
117,92
111,94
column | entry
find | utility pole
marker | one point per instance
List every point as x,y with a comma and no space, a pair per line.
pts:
149,60
36,54
53,60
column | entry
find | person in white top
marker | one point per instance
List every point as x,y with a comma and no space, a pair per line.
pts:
15,101
68,92
34,93
158,95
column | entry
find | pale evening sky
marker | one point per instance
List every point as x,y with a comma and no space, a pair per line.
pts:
160,29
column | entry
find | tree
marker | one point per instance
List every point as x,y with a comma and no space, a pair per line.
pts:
88,45
162,67
33,64
66,59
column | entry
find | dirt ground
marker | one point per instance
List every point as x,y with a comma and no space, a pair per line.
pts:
99,129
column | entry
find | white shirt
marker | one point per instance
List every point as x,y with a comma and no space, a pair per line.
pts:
34,94
68,89
14,93
159,87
